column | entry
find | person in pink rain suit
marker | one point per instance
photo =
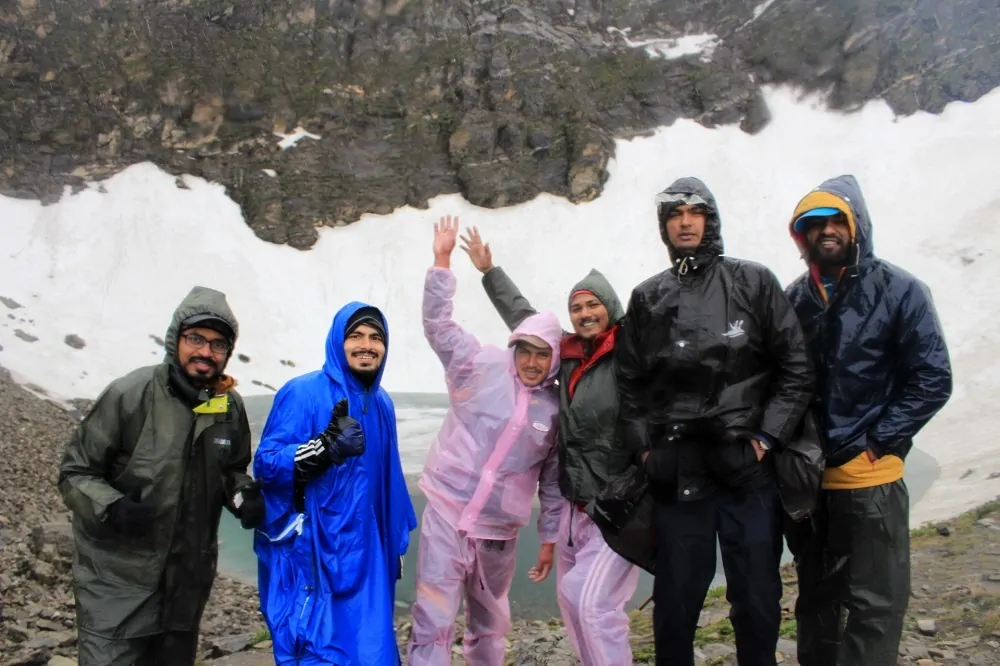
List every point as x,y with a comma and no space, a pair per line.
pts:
494,450
593,581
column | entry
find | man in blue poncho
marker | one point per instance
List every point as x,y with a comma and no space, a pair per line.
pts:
338,512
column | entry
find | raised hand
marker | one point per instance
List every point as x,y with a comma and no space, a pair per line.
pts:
342,439
343,436
478,252
445,233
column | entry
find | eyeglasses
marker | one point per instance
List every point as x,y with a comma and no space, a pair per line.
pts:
218,345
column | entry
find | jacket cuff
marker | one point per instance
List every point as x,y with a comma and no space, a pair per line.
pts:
772,442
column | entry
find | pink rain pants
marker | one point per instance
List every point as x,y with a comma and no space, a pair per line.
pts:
448,565
593,584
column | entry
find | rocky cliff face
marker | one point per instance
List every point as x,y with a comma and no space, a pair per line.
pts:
407,99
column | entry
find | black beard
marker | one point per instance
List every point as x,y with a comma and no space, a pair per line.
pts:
199,380
828,260
366,377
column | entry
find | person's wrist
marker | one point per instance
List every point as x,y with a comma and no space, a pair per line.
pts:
442,260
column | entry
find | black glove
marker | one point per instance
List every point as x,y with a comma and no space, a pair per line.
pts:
129,516
251,509
341,440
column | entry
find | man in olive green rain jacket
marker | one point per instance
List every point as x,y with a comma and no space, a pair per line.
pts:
146,475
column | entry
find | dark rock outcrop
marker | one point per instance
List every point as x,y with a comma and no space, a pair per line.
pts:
414,98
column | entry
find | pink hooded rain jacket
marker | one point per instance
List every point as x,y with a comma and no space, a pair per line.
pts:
497,444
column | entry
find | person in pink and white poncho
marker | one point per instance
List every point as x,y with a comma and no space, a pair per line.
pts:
495,450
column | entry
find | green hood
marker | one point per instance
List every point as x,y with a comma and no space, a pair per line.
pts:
200,300
596,283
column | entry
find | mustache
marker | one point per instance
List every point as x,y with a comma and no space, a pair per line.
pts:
832,237
358,352
203,359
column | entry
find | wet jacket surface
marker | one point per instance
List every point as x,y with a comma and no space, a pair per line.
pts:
711,353
497,445
327,575
882,365
587,419
185,459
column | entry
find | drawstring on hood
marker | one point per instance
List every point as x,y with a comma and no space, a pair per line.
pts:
691,191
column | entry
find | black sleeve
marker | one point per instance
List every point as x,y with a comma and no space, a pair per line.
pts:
794,380
311,459
510,304
236,476
632,375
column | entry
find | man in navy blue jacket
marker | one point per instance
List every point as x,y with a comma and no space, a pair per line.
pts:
883,372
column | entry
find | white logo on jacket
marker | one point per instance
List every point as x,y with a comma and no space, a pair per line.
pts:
539,426
735,329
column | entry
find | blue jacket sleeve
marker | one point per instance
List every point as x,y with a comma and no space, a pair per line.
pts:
924,366
274,461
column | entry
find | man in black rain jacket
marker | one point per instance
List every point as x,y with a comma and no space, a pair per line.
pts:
883,372
713,373
146,475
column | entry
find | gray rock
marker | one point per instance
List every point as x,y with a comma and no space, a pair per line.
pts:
226,645
44,573
74,341
710,616
938,653
47,625
27,337
914,650
57,535
988,523
717,650
62,661
18,632
43,641
787,647
961,644
927,627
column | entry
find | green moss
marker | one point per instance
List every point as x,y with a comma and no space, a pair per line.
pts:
619,76
720,632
